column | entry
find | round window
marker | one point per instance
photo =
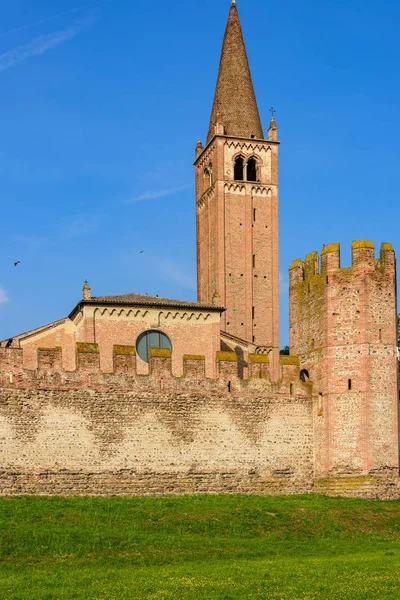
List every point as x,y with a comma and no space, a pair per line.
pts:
151,339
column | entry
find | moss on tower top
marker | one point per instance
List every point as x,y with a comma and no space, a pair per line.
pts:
312,256
258,358
87,348
227,356
290,360
330,248
194,357
357,244
386,247
160,352
125,350
296,263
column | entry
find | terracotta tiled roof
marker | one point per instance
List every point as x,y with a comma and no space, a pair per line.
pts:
144,299
234,97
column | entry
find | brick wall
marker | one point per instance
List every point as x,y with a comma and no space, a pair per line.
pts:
237,221
190,331
343,327
89,432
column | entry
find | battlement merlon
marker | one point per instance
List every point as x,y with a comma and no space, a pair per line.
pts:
49,373
362,258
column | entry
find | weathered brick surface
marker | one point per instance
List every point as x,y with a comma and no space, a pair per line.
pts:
97,433
194,331
81,413
237,220
343,327
89,432
237,243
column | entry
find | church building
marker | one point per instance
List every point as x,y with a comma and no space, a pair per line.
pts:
237,249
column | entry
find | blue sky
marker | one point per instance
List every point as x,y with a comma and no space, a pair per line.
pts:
101,106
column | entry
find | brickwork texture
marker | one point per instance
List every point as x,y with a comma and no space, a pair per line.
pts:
216,409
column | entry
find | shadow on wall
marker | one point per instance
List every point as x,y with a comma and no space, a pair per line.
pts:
240,360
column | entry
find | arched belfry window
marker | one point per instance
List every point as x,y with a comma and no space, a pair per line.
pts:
239,169
151,339
252,169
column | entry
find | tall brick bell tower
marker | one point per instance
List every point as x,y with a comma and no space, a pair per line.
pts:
237,205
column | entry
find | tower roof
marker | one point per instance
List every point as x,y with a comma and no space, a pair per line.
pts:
235,99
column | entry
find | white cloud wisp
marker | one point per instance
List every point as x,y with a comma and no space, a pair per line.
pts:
3,296
53,17
40,45
155,194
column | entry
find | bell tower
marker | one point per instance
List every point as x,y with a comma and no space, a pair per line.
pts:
237,204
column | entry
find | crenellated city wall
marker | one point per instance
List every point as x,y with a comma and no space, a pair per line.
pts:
90,432
86,432
326,422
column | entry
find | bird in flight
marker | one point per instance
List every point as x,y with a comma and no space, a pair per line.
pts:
17,263
141,252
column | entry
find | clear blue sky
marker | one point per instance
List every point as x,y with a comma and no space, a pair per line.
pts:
100,111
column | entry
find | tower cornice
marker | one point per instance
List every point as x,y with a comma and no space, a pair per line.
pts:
240,139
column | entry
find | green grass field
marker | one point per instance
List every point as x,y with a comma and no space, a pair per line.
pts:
222,547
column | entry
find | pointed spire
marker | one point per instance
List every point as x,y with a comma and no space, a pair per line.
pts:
235,99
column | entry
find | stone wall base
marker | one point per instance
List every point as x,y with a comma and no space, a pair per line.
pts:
369,487
127,483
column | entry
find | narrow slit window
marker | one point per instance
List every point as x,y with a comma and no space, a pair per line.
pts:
252,170
207,179
254,312
349,384
254,214
239,169
210,173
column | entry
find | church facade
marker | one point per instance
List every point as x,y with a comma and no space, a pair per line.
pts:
136,394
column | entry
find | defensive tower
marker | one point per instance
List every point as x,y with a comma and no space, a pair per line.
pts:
343,327
237,204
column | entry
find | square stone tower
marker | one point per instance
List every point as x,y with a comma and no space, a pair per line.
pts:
343,327
237,204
